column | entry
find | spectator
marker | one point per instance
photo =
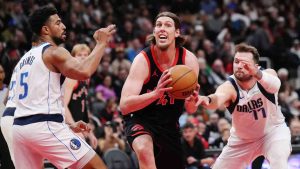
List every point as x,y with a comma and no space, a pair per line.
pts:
194,153
295,131
111,138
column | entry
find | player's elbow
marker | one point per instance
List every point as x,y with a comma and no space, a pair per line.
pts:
124,108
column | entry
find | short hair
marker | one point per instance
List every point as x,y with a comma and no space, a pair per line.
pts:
39,17
188,125
180,40
242,47
80,47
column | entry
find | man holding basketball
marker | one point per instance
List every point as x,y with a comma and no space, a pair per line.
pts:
150,114
258,126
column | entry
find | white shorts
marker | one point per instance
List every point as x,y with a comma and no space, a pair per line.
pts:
242,154
51,140
6,129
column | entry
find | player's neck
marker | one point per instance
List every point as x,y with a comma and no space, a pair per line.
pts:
165,57
247,85
45,39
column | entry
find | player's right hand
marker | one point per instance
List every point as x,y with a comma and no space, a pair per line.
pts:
163,81
80,126
103,35
203,101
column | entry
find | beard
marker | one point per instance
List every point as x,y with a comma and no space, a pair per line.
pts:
243,78
58,40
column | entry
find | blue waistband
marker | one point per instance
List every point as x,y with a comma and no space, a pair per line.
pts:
38,118
9,111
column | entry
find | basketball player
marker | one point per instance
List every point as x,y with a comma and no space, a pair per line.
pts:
75,96
258,126
150,114
39,131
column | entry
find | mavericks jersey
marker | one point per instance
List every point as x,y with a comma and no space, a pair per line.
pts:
11,100
166,110
38,90
254,113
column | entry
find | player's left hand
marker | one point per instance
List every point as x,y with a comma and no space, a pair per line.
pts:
251,67
80,126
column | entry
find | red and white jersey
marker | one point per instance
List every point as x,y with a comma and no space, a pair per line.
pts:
38,90
254,112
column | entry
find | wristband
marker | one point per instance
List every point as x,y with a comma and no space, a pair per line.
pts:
209,99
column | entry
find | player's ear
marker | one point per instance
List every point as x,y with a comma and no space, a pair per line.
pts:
45,30
177,33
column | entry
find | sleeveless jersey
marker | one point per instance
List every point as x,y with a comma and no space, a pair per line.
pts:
11,100
38,90
254,113
78,104
166,110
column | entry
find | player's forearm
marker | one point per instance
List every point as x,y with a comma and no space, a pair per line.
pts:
213,102
130,104
269,82
190,106
91,63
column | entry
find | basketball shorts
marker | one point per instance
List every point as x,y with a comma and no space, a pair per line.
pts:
52,140
167,151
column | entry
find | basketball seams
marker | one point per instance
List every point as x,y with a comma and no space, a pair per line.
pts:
180,77
185,87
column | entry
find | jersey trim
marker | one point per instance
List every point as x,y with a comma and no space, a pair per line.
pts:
269,96
149,66
156,62
231,106
183,54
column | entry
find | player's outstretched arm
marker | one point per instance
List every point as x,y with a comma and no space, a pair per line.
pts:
60,60
224,95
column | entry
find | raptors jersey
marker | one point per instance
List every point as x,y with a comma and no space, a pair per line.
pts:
254,113
78,101
38,89
166,110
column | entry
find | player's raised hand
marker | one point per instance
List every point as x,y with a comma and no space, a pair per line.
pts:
80,126
249,65
103,35
164,80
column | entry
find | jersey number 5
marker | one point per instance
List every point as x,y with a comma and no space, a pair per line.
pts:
24,85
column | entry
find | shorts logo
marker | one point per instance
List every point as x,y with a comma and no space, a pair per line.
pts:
75,144
137,127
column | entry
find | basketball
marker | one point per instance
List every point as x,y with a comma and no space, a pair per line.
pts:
184,81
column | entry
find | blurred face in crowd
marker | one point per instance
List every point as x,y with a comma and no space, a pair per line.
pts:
56,29
189,134
165,32
238,67
2,74
82,54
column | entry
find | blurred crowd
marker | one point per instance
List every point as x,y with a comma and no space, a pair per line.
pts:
211,29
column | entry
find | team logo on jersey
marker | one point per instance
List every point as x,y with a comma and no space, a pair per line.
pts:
154,73
75,144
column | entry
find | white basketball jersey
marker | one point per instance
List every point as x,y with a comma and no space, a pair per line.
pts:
254,113
38,89
11,102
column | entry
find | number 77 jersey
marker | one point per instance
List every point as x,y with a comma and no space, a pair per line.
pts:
255,112
38,90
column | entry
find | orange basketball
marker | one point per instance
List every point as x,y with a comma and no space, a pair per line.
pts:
184,81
